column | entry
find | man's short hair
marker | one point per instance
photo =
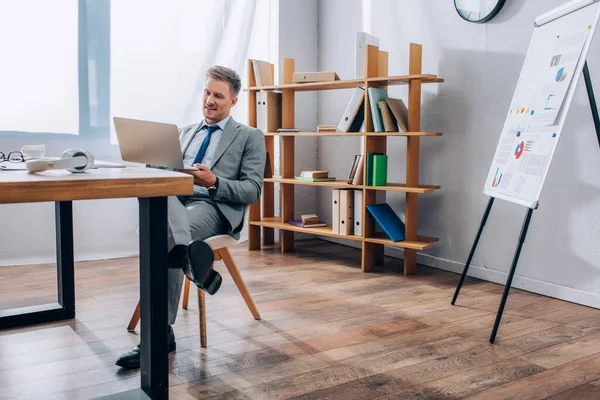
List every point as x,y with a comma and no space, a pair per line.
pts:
221,73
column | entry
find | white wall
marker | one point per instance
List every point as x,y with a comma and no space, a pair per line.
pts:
298,37
480,64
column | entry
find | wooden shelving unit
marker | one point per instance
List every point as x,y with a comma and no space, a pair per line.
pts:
262,215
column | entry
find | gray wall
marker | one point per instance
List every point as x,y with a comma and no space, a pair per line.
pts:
480,64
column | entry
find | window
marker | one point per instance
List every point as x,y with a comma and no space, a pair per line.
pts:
71,65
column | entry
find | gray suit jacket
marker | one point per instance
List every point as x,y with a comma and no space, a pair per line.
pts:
239,162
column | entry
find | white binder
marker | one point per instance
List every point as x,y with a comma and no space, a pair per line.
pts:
346,212
335,211
358,197
353,116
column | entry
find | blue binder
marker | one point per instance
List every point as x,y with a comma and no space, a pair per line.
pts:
388,220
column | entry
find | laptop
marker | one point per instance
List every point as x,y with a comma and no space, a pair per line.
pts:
148,142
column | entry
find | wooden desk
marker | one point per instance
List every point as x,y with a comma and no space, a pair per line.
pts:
151,187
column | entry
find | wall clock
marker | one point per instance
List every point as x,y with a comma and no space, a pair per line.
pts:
478,11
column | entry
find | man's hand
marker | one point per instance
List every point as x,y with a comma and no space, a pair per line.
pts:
202,177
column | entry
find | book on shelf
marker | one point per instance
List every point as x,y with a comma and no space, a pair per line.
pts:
353,118
399,111
380,169
302,224
262,73
355,175
314,174
288,130
389,122
305,77
375,96
326,128
369,168
309,218
301,178
388,220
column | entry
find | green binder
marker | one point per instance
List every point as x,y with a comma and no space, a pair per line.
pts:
369,165
379,170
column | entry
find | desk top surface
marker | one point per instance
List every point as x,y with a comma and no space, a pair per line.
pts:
102,183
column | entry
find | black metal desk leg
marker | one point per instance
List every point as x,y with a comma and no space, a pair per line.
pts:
468,264
65,258
153,297
511,274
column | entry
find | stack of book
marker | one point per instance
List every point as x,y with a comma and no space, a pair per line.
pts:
315,176
308,221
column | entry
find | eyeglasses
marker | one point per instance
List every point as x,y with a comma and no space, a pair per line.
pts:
13,156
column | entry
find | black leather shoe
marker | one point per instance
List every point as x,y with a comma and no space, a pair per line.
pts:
131,359
178,257
200,270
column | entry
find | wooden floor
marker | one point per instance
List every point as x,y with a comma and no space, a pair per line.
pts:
328,332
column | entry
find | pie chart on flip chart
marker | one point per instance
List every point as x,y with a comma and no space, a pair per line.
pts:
561,74
519,150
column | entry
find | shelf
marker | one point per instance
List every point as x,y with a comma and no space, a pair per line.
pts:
401,187
307,134
424,242
403,134
392,187
338,183
275,222
351,83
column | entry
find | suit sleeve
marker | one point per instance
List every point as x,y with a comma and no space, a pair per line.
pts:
247,189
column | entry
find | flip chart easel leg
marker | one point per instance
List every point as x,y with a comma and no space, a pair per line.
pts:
464,273
511,274
590,91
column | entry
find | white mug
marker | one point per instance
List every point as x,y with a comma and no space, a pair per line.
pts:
33,150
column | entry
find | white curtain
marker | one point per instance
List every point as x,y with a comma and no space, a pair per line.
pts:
39,87
160,52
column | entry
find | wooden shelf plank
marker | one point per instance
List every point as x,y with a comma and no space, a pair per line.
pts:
351,83
338,183
401,187
423,243
300,134
314,134
403,134
275,222
393,187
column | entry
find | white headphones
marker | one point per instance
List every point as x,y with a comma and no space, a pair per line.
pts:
73,160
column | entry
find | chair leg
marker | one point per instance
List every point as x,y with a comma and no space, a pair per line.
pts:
202,317
186,292
239,282
135,318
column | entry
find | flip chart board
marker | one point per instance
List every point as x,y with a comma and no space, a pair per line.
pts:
534,121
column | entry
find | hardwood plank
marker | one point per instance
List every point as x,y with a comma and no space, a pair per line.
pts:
559,354
589,391
544,384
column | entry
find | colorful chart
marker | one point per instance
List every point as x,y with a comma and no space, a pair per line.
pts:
519,150
561,74
497,178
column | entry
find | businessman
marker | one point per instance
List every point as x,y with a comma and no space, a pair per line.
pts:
230,158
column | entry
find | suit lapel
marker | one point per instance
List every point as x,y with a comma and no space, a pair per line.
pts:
231,130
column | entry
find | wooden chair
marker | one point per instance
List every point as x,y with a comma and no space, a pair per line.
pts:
220,245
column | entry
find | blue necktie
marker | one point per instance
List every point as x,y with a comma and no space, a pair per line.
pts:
202,152
205,143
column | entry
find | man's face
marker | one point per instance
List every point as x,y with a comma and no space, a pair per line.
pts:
218,100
